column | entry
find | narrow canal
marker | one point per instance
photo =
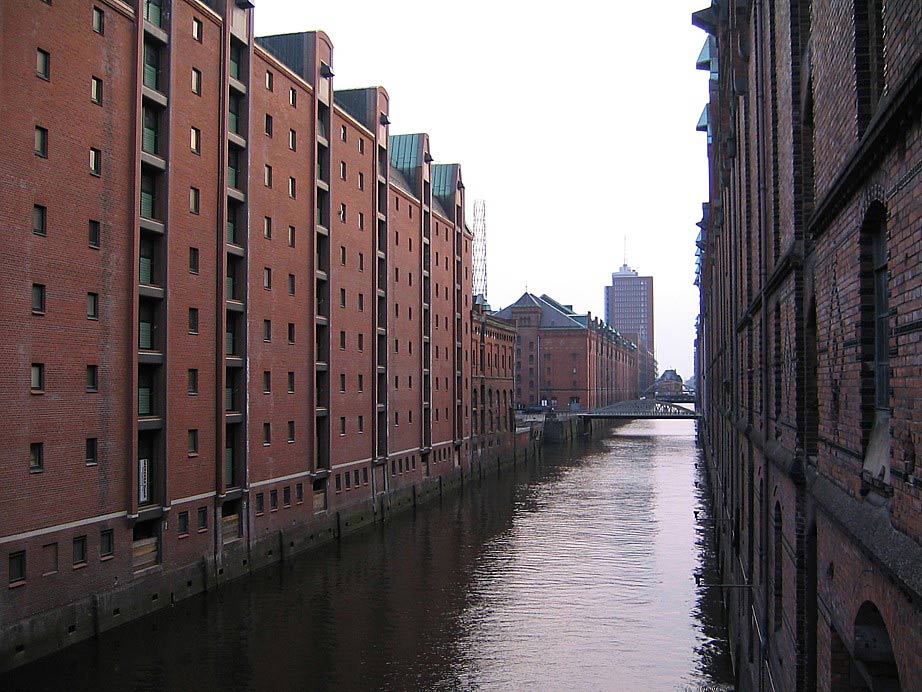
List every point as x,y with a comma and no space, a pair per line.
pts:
573,573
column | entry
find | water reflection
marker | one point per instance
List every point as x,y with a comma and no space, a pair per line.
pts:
575,573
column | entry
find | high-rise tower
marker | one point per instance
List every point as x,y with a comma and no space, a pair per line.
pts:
629,309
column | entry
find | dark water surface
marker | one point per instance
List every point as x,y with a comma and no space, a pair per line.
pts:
575,573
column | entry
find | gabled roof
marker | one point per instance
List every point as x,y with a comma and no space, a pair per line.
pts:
553,315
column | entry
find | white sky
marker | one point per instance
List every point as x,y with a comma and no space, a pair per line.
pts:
574,121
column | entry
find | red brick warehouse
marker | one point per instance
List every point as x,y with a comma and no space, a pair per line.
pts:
809,348
239,323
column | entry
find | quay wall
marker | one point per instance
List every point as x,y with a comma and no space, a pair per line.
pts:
50,631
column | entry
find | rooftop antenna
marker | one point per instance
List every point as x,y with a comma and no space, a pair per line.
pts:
480,248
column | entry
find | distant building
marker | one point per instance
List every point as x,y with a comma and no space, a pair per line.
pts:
568,361
669,384
629,310
492,347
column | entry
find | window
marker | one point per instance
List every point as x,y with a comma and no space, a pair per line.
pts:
292,188
869,59
342,170
99,20
202,518
197,29
96,90
106,543
269,80
342,341
339,482
361,342
267,278
268,124
361,386
17,567
299,493
92,306
361,424
79,550
193,320
43,63
291,332
291,431
193,260
291,236
267,227
153,11
361,221
361,262
293,97
342,382
342,255
267,381
267,330
193,442
38,299
41,142
196,81
92,451
361,145
195,199
267,175
361,302
778,568
36,456
361,181
343,133
182,524
195,140
260,503
38,377
39,220
192,381
342,213
291,284
292,140
267,434
273,500
95,161
92,378
291,383
93,234
342,297
342,425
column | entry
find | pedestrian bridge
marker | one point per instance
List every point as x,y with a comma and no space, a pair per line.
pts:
642,408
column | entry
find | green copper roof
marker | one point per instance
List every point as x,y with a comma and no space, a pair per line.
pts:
407,155
443,179
704,57
703,120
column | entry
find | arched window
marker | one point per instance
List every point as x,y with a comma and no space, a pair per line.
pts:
875,664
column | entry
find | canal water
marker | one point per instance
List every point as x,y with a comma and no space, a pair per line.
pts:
575,572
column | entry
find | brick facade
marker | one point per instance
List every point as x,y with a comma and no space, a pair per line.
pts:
251,324
808,343
568,361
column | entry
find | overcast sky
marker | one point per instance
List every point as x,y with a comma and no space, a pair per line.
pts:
574,121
